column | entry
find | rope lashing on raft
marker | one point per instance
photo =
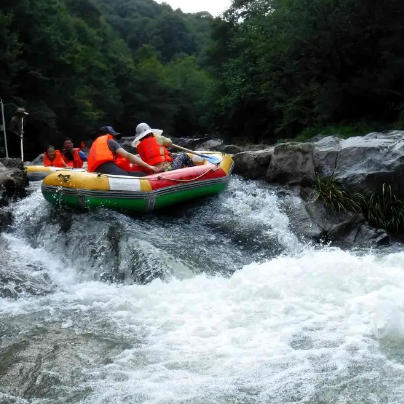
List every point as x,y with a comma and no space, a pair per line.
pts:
159,177
101,176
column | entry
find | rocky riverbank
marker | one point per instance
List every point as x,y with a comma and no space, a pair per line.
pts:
359,164
13,183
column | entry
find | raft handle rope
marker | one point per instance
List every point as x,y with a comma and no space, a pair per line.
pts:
159,177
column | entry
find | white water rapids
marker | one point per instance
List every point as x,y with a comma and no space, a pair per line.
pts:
310,324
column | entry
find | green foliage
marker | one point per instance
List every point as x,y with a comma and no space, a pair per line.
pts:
384,209
289,65
77,65
335,196
170,33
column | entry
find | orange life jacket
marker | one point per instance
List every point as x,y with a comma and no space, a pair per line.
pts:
99,153
153,153
121,162
56,162
77,161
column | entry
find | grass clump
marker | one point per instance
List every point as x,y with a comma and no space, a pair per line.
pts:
336,197
382,209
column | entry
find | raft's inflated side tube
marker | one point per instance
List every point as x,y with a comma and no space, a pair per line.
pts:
142,194
38,173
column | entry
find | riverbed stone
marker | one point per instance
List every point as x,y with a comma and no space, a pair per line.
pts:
253,164
292,164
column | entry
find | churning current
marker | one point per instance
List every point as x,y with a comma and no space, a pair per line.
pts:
210,303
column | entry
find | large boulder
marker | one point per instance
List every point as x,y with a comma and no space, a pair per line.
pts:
13,178
230,149
363,163
13,181
312,221
189,142
211,144
292,164
253,164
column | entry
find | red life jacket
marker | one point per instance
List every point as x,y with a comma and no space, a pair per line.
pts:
77,161
56,162
153,153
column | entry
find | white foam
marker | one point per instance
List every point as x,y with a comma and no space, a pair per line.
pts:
273,332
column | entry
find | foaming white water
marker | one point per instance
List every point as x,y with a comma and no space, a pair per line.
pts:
259,206
57,270
304,329
324,326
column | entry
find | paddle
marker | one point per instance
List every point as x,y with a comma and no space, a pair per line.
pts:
211,159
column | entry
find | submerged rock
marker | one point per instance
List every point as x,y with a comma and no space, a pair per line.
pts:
47,361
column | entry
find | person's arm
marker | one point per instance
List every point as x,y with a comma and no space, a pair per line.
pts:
164,141
135,160
82,155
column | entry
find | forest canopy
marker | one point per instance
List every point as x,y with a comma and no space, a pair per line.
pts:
264,70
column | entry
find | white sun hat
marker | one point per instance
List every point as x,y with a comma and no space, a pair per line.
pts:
142,130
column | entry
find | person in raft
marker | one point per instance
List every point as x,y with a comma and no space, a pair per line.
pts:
107,156
53,158
152,148
72,156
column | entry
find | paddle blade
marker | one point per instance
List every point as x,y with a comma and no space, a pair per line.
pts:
212,159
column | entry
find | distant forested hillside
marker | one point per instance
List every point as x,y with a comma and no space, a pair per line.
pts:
76,65
266,69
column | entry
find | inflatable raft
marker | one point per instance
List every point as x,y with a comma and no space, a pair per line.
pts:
38,173
141,194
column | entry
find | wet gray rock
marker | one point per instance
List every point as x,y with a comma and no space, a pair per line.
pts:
230,149
211,144
13,178
292,164
5,218
13,181
363,163
189,143
359,163
253,164
45,363
312,221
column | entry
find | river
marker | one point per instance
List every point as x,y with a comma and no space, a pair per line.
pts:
213,302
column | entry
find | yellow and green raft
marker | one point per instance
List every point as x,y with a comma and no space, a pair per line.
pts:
141,194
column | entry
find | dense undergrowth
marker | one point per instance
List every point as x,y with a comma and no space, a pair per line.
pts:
381,209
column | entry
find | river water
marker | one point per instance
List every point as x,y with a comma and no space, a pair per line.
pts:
210,303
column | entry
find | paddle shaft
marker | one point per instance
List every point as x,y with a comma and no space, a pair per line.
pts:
187,150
